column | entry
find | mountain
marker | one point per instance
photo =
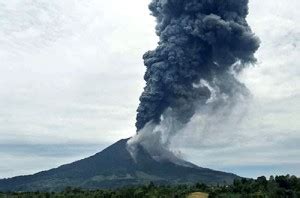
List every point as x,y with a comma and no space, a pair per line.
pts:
114,167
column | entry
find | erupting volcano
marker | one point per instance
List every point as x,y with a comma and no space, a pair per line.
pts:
203,45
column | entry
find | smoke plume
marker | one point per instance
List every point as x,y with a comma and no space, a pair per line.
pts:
203,45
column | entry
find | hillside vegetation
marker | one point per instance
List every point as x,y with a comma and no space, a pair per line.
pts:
275,187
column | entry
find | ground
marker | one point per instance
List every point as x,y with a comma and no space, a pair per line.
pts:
198,195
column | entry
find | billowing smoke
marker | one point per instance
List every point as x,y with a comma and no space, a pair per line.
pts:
203,45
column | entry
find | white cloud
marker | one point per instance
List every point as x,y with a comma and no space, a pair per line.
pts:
71,70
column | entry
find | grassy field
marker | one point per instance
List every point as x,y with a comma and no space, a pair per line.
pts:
198,195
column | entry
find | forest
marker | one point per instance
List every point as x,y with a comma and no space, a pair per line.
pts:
274,187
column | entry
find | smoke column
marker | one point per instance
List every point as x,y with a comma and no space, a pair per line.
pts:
203,45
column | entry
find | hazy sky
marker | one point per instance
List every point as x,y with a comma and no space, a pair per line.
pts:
71,72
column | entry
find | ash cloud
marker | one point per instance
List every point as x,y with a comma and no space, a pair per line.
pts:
198,40
203,45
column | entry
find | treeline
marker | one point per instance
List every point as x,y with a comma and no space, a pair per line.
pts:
274,187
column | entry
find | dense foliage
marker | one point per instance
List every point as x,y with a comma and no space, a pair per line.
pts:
275,187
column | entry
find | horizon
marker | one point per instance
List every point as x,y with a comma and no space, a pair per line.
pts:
72,73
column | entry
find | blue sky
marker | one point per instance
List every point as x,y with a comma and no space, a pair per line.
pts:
71,73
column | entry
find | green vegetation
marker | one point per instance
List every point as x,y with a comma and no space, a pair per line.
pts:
275,187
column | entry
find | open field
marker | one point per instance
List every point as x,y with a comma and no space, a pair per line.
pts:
198,195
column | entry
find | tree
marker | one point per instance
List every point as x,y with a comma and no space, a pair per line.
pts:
262,183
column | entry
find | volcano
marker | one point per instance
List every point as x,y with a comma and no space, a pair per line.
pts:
114,167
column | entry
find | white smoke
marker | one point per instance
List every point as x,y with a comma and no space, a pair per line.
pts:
221,114
156,140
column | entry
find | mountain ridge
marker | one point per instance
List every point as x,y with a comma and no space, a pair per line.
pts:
114,167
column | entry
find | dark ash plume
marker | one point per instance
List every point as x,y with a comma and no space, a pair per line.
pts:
206,40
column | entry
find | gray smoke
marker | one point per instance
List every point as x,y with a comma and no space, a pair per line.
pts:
206,40
203,46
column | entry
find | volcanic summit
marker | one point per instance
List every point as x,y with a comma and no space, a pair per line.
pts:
114,167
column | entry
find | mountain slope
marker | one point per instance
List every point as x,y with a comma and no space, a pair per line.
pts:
114,167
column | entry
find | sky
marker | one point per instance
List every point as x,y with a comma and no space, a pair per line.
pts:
71,73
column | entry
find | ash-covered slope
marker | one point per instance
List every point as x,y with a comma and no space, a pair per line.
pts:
114,167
